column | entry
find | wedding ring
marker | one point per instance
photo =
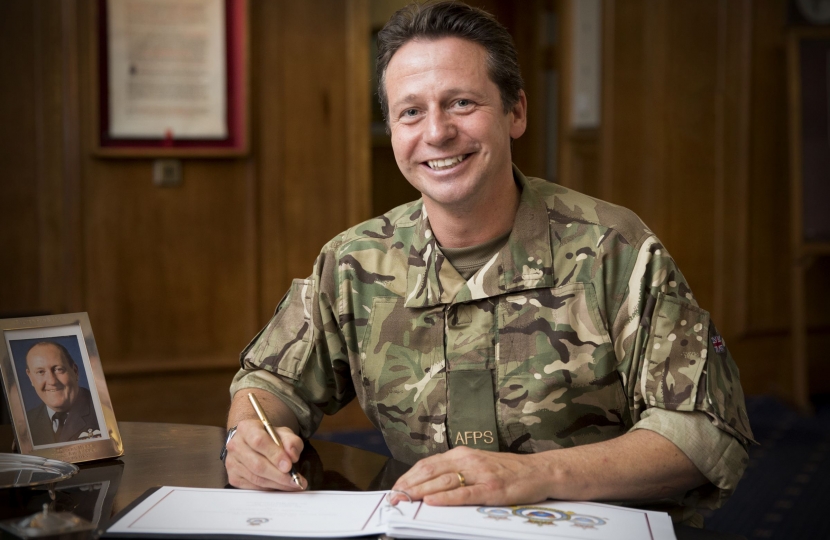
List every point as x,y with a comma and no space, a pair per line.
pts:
461,479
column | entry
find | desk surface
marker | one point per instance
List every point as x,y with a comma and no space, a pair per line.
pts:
188,455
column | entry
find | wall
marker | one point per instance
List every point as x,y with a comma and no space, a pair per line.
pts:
693,138
177,280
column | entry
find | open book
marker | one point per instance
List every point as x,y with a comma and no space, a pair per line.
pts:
322,514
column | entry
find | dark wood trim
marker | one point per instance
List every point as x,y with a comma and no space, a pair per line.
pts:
73,188
606,132
358,112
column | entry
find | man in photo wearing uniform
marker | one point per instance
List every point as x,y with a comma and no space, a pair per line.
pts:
67,413
513,340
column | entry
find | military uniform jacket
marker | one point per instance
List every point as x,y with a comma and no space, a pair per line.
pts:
582,320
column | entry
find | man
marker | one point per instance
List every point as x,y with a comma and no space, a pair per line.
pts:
67,413
512,339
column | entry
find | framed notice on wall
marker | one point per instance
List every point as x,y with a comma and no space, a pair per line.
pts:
172,78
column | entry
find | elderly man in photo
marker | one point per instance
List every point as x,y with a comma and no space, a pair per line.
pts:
513,340
67,413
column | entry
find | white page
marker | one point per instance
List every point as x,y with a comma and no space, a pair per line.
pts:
551,519
179,510
167,69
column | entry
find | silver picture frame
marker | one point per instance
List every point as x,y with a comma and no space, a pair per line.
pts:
65,377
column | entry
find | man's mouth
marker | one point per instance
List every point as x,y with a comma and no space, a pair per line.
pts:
448,163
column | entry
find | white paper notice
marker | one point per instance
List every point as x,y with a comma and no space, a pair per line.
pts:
167,69
178,510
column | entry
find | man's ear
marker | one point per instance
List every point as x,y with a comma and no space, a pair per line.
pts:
518,116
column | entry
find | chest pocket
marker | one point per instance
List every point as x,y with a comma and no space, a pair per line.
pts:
557,378
403,377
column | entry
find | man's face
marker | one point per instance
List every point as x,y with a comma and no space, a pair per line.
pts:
54,378
450,134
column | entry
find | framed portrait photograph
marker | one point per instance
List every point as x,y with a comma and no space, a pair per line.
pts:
55,389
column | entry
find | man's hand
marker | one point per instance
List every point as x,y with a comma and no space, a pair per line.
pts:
491,478
640,465
253,460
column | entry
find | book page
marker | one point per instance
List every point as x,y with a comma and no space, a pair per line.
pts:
550,519
311,514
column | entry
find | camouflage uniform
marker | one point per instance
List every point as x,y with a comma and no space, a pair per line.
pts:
582,321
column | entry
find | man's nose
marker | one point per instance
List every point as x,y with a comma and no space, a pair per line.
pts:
440,128
51,379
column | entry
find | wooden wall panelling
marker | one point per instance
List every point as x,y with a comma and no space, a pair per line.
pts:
768,172
268,132
166,269
20,222
732,212
676,138
72,242
626,107
174,259
311,176
313,140
358,112
30,155
176,281
578,148
526,20
765,341
693,139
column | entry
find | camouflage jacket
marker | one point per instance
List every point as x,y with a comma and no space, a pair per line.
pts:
582,319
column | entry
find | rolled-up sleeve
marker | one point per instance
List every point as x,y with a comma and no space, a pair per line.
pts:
719,456
308,416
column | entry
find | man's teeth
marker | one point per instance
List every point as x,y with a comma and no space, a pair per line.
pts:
441,164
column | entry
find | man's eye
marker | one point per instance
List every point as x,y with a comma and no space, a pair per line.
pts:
410,113
60,370
463,103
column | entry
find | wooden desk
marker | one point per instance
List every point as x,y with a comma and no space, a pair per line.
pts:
188,455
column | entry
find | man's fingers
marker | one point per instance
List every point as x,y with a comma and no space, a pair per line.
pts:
256,471
290,442
458,497
438,484
239,475
430,468
254,461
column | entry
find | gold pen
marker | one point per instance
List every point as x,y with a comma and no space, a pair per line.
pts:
273,434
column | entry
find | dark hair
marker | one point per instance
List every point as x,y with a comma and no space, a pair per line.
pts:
452,19
63,352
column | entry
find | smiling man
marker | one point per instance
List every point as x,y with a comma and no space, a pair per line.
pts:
67,413
512,339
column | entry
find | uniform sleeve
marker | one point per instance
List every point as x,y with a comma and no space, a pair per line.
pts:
680,379
719,456
300,356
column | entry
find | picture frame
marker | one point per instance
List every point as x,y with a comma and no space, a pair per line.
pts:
55,389
235,84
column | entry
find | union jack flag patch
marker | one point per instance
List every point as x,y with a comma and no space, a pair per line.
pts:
718,344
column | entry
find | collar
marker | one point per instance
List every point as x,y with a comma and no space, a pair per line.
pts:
525,262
